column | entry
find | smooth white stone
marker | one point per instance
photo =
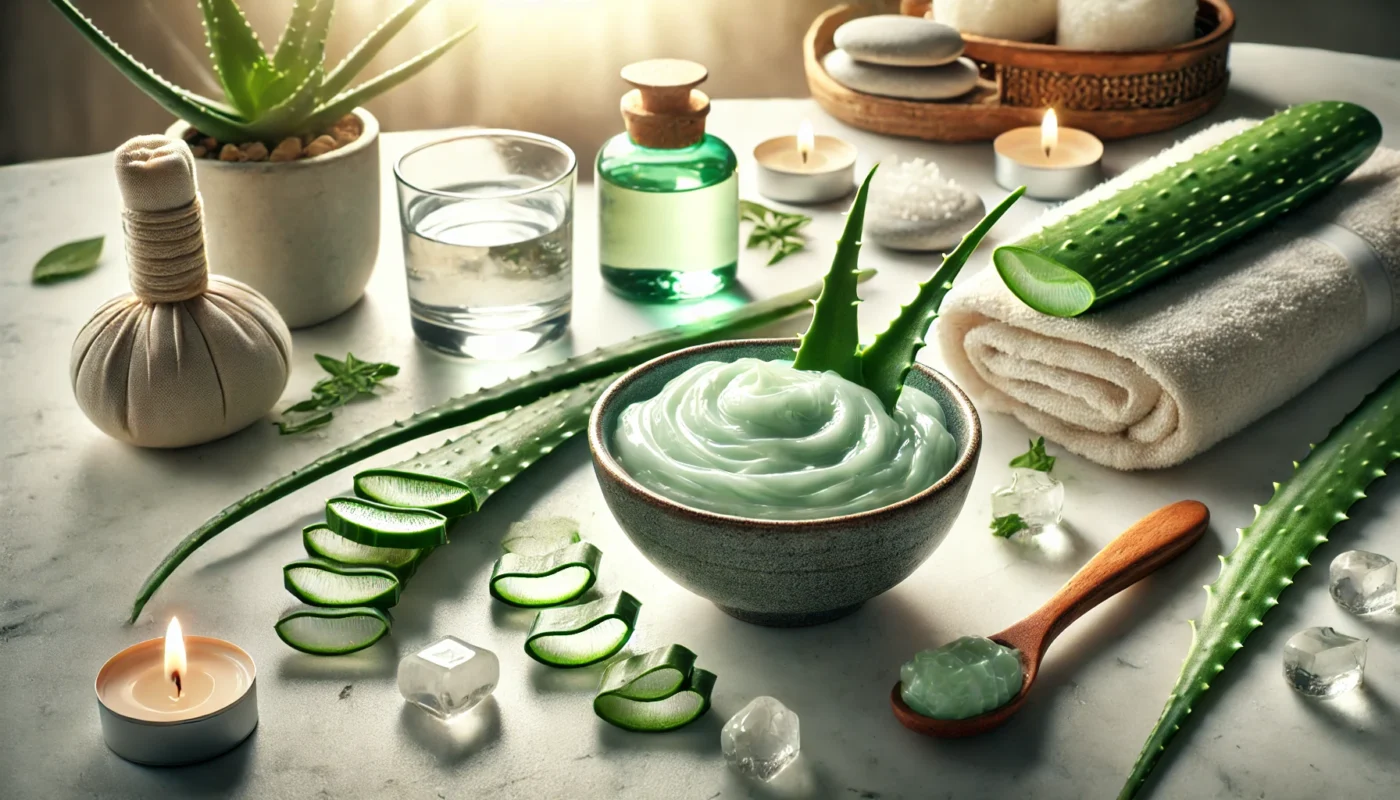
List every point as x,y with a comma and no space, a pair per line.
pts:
1020,20
908,83
913,207
899,40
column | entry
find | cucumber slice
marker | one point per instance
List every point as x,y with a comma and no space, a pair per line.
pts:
385,526
576,636
547,580
323,543
325,583
537,537
332,631
686,704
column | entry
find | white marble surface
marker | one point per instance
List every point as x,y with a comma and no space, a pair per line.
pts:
84,518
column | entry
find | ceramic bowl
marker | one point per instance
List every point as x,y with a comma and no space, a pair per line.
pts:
777,572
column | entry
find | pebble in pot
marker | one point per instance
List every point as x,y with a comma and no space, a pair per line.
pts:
909,83
899,41
186,357
913,207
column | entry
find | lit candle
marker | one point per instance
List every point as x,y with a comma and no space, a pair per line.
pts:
805,168
177,700
1052,162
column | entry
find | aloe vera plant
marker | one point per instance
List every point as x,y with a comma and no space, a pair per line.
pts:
1274,547
270,96
832,342
464,410
1148,230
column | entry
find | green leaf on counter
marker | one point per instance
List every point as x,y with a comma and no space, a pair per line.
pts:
68,261
779,231
348,380
1035,458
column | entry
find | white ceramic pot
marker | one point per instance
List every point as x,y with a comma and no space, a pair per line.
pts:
303,233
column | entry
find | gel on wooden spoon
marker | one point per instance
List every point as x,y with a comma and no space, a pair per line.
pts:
971,684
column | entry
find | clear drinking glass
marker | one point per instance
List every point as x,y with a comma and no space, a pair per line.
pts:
487,223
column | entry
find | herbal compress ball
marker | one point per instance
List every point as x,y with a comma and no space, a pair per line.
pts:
186,357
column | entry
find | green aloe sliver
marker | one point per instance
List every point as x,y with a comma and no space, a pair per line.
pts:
660,690
385,526
537,537
576,636
325,583
332,631
322,542
548,580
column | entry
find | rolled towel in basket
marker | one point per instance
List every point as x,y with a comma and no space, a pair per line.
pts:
1166,374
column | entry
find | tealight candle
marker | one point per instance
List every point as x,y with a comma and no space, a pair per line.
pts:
1053,163
177,700
805,168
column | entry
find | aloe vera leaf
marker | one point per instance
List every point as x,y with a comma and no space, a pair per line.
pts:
1167,222
547,580
361,54
237,55
209,116
832,341
885,363
341,104
1274,547
293,38
539,536
385,526
576,636
289,116
459,476
327,584
332,631
652,675
660,690
479,405
321,542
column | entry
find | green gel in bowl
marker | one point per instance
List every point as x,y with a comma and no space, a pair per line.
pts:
964,678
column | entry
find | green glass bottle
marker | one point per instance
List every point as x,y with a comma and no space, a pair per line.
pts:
668,193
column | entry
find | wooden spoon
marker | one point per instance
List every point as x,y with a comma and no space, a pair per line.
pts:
1139,551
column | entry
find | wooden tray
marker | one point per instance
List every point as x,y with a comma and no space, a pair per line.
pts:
1110,94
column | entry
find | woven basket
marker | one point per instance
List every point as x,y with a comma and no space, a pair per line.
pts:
1110,94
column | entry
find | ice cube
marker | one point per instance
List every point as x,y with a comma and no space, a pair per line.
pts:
762,739
1033,495
1319,662
448,677
1362,582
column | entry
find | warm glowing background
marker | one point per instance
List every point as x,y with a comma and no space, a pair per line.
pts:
542,65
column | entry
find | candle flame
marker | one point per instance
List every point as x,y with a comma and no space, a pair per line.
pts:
175,654
806,140
1049,132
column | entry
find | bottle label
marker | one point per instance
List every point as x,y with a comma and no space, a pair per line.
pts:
671,231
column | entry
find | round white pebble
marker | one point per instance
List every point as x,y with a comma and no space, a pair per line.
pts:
907,83
899,40
913,207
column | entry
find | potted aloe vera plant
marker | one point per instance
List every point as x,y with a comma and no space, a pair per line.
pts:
288,162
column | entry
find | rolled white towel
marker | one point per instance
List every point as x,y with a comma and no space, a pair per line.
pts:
1153,380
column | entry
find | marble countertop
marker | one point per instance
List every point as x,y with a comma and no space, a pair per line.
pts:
84,518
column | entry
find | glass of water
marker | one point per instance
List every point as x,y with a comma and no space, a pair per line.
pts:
487,223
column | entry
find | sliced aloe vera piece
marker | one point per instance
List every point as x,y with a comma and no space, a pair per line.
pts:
326,583
322,542
385,526
547,580
332,631
537,537
459,476
576,636
683,706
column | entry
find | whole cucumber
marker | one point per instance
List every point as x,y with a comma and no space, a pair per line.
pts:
1187,211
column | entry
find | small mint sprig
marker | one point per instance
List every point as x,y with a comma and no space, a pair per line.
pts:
1035,458
348,380
779,231
1007,526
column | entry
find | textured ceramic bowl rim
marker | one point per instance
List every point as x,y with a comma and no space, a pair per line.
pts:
368,136
603,457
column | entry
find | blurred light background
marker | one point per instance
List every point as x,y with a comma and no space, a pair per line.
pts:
542,65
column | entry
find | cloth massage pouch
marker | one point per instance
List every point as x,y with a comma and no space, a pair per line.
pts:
1019,20
186,357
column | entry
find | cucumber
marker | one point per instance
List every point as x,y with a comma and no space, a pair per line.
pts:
1151,229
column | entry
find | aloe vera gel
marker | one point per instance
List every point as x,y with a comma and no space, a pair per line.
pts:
964,678
759,439
668,193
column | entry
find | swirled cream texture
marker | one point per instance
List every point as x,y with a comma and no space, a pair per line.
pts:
759,439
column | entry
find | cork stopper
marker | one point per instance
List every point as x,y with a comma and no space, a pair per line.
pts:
665,110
